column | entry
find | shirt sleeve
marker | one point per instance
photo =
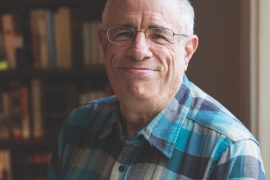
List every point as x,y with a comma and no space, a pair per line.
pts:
242,160
56,164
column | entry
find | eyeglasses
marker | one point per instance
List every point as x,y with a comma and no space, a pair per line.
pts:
124,35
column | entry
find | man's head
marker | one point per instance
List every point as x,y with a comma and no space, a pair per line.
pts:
143,70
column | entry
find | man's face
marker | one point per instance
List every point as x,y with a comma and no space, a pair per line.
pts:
142,70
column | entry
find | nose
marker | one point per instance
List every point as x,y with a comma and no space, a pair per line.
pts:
139,48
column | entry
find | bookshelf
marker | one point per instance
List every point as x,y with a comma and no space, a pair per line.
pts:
40,89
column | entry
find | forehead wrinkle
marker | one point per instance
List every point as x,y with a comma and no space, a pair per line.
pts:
144,11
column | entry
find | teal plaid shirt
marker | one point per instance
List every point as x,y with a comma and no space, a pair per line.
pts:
194,137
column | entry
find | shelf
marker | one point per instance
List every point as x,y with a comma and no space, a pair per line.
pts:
29,143
94,5
97,72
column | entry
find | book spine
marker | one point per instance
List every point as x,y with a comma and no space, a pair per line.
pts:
5,165
24,104
3,58
8,37
4,121
58,47
14,109
43,40
34,37
38,130
51,38
65,36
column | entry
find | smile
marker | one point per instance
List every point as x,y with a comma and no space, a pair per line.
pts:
137,71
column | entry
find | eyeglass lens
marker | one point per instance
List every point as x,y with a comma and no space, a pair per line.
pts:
125,35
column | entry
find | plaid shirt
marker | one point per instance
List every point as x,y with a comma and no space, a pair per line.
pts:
194,137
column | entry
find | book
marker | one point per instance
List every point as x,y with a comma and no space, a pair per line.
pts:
5,165
24,105
3,57
39,23
34,39
42,37
37,127
14,109
63,38
58,46
51,39
92,51
4,120
8,39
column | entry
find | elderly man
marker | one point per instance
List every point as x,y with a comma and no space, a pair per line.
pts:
158,125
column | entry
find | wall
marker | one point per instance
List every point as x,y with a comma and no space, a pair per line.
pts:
216,63
260,76
232,61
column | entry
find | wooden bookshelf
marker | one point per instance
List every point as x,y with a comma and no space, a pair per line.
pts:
45,142
29,156
92,73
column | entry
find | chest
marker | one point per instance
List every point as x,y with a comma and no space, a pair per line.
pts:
113,160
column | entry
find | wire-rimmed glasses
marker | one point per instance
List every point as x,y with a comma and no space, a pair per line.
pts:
125,35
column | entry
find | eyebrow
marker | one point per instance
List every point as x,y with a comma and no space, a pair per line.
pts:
149,27
127,25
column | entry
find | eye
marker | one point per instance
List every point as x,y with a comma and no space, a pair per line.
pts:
157,36
123,35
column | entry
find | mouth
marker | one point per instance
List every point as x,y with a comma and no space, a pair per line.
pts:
137,70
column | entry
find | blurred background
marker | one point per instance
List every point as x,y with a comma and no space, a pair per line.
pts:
232,61
51,63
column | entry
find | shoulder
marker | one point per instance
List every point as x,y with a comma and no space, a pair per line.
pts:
92,114
210,114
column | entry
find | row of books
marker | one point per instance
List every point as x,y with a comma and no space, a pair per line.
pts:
30,165
49,38
15,110
36,110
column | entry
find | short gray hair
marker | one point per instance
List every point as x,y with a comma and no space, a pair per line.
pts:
186,16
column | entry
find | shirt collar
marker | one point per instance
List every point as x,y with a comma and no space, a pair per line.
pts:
163,131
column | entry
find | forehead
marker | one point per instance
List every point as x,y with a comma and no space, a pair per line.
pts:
142,13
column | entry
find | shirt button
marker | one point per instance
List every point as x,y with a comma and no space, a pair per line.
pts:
121,168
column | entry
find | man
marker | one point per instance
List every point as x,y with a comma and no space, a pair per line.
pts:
159,125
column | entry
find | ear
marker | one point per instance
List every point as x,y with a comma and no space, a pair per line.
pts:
102,39
190,48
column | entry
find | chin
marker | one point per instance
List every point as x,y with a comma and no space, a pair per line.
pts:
134,95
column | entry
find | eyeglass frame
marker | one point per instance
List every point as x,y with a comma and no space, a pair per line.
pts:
135,33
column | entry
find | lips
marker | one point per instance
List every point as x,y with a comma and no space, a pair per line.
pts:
137,70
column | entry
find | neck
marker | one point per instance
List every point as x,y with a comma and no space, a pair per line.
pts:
137,116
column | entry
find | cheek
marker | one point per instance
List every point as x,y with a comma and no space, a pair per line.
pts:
176,67
175,59
112,54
